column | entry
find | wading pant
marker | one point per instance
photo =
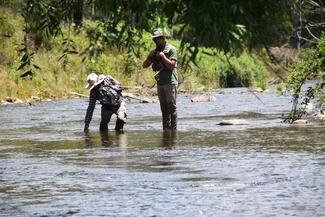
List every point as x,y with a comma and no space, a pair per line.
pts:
106,115
167,97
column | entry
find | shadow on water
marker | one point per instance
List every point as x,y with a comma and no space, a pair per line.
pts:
49,167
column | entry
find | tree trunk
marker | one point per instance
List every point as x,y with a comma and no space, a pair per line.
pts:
78,13
93,8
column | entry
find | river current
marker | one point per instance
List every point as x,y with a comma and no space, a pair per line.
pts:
264,167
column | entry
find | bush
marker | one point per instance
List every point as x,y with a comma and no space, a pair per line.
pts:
242,71
311,66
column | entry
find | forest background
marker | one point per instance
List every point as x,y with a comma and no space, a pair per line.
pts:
48,47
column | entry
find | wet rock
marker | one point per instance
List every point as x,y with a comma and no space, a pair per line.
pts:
203,98
130,95
3,102
9,99
233,122
32,100
300,122
320,115
255,90
141,100
309,107
148,100
35,98
18,101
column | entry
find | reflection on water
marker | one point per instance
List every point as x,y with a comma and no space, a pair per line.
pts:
169,138
49,167
106,139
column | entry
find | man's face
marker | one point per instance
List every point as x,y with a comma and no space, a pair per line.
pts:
159,41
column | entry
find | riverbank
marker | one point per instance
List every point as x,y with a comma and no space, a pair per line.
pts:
138,94
56,78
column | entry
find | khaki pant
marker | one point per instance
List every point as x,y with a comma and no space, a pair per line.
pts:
106,115
167,98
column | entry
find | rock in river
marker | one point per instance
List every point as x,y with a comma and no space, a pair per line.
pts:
203,98
233,122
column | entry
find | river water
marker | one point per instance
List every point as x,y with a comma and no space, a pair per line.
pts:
49,167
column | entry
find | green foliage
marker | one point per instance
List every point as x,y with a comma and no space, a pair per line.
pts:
221,70
43,18
57,79
69,47
6,27
9,36
279,88
226,25
320,53
311,66
97,37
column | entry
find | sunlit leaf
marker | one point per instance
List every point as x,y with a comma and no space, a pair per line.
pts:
22,65
27,73
36,66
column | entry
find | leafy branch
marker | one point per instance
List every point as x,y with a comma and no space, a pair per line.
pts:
69,47
311,66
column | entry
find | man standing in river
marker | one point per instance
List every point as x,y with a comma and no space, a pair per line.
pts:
163,60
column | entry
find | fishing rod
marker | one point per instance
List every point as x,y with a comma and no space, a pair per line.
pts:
259,99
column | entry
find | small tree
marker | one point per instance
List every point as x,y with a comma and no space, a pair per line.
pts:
311,66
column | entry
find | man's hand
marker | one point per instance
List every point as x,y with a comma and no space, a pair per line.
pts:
150,58
169,63
160,55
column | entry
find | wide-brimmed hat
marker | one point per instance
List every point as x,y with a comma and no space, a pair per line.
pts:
93,80
157,33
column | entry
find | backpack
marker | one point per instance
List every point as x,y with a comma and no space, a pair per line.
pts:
108,96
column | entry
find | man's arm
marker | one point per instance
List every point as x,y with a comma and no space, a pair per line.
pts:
169,63
148,60
90,110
